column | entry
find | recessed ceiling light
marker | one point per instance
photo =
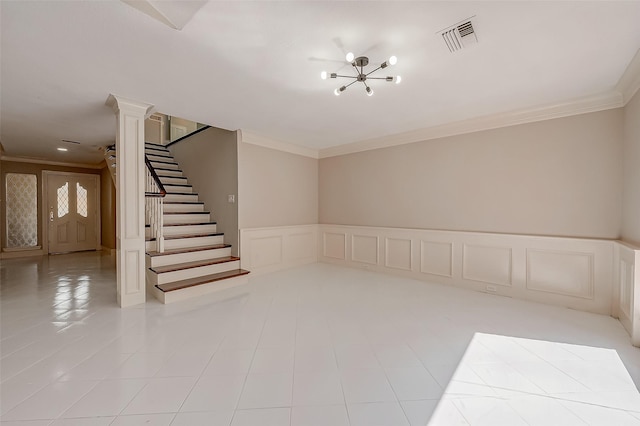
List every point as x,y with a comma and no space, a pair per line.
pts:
63,149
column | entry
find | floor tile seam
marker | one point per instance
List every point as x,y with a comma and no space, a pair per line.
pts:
586,420
564,373
395,393
121,413
194,384
541,391
244,382
506,401
60,416
561,400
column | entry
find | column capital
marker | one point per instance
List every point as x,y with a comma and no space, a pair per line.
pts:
120,103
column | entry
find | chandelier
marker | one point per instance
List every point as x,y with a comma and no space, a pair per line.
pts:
358,65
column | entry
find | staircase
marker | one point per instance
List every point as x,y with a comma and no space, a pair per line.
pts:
186,256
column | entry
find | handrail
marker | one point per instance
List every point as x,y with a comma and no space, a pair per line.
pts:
181,138
155,177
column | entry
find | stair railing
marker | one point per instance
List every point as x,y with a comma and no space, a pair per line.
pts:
154,204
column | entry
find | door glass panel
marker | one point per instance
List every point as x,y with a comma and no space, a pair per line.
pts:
22,210
81,200
63,200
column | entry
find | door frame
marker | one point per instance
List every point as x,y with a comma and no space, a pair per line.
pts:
45,209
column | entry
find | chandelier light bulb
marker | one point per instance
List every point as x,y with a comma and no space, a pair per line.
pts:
323,75
398,79
336,92
393,60
350,57
369,91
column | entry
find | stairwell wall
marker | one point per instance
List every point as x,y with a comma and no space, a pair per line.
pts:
209,160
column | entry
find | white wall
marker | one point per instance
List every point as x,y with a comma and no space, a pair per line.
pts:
631,200
560,177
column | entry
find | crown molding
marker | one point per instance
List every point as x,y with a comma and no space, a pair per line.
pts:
52,163
255,139
604,101
629,83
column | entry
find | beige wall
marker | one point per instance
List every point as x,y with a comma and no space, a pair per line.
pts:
556,177
631,200
276,188
209,160
108,220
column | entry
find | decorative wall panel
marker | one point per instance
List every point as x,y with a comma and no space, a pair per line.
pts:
487,264
266,251
398,253
22,210
566,273
364,249
335,245
436,258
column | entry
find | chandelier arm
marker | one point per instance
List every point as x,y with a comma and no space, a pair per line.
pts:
346,76
354,81
371,72
377,78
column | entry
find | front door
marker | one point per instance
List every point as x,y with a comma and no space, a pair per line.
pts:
73,215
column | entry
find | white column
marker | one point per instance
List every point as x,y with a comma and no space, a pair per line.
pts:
130,185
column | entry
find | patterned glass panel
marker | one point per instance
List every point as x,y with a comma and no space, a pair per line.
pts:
63,200
81,200
22,210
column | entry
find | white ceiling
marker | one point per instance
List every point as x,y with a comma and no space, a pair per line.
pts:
256,66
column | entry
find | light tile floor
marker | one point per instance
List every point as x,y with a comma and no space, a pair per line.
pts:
316,345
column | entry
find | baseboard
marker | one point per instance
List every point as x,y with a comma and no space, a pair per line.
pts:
14,254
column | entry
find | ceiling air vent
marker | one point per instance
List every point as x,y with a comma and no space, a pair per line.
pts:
459,36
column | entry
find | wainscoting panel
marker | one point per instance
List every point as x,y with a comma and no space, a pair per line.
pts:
572,272
398,253
565,273
364,249
436,258
487,264
335,245
271,249
626,304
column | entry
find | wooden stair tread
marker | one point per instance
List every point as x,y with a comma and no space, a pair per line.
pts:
168,170
178,285
186,212
188,250
189,224
177,237
182,193
155,144
183,202
190,265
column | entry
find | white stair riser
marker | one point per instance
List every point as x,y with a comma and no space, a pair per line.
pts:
170,219
155,164
163,158
185,274
181,197
185,208
189,230
194,256
200,290
176,173
193,242
175,180
178,189
147,232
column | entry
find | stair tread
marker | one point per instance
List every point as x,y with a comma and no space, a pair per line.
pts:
177,237
168,170
189,224
186,212
183,202
191,265
178,285
154,144
182,193
188,250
